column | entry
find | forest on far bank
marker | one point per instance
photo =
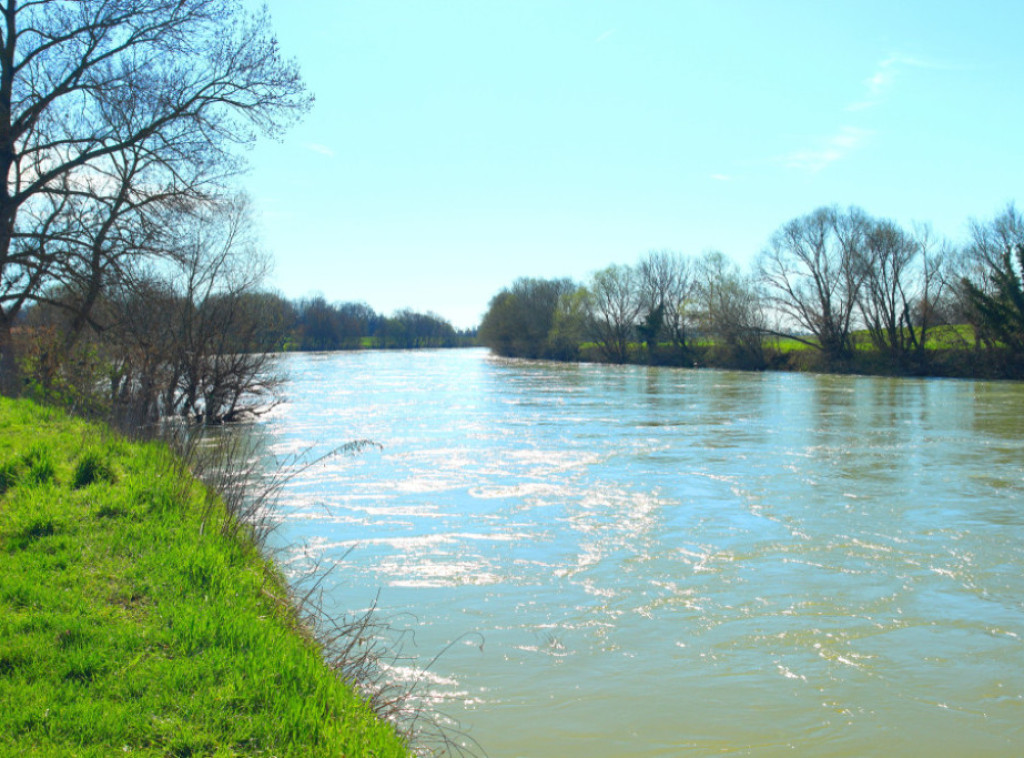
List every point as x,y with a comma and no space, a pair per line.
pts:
835,290
267,322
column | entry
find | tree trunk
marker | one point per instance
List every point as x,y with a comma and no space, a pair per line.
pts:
10,384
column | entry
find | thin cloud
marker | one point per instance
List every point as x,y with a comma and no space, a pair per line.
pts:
604,36
321,149
830,151
721,177
849,138
881,81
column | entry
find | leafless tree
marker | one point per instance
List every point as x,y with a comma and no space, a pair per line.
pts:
989,242
935,306
613,306
814,268
189,335
730,309
106,222
110,106
666,292
892,288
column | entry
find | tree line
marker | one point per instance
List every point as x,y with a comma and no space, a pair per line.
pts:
316,324
836,289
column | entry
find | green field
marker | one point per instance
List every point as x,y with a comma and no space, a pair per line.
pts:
949,350
132,622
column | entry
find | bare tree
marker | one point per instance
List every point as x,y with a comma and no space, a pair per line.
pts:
666,291
906,290
814,267
140,349
935,306
730,310
189,339
109,105
613,306
892,289
107,221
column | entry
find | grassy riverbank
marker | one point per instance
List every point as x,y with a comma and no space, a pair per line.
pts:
134,620
950,352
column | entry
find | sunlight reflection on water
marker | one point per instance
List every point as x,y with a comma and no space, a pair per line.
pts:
667,561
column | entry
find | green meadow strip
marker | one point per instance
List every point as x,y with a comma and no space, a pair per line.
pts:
132,624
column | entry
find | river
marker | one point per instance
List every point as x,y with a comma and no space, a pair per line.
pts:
633,561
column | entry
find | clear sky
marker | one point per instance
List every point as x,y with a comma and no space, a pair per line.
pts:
456,145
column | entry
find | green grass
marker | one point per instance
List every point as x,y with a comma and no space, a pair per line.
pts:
786,345
131,625
950,337
939,338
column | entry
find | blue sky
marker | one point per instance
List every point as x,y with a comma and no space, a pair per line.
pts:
457,145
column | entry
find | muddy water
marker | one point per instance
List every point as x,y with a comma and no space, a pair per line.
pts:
662,562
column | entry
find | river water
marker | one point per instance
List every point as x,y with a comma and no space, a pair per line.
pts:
633,561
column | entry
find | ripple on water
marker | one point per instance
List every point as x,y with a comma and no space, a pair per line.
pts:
655,562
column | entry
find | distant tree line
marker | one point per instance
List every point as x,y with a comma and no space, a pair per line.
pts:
836,289
312,323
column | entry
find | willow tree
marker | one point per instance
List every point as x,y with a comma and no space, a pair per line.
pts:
109,107
520,318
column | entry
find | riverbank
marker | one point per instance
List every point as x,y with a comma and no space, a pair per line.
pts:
135,620
959,362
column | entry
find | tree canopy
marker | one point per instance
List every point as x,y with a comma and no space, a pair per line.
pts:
114,113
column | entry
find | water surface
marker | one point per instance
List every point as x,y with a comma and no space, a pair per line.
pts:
634,561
